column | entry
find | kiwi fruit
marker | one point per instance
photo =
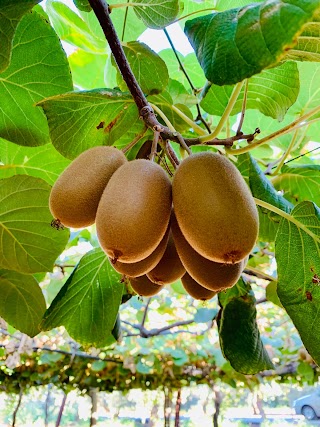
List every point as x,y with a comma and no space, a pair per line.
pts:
209,274
143,286
134,211
195,290
75,196
215,208
136,269
170,268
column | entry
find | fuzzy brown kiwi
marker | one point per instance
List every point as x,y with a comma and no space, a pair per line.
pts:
209,274
170,268
134,211
75,196
140,268
215,208
143,286
195,290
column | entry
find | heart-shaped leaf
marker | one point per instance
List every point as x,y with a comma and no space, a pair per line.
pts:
88,303
238,43
38,69
22,303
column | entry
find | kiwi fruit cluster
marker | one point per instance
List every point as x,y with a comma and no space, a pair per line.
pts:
199,228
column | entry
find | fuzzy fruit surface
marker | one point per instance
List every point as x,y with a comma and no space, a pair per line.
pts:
214,208
170,268
136,269
134,211
195,290
75,196
209,274
143,286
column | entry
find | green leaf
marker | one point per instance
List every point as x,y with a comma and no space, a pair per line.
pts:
82,120
83,5
98,365
297,254
189,62
88,303
240,289
87,69
72,29
238,43
306,371
41,162
309,96
22,303
262,189
308,43
164,101
149,69
272,295
11,14
157,14
240,338
299,183
28,243
38,69
272,92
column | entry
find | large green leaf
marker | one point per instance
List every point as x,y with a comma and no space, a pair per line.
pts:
22,303
38,69
83,5
149,69
28,243
87,69
88,303
297,253
299,183
10,16
81,120
238,43
157,14
42,162
238,332
262,189
272,92
72,29
308,45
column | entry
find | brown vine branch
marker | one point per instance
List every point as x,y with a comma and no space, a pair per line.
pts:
16,409
146,112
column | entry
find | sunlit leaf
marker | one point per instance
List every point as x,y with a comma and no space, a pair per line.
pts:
72,29
28,242
88,303
157,14
238,43
22,303
42,162
10,16
87,69
272,92
38,69
298,259
299,183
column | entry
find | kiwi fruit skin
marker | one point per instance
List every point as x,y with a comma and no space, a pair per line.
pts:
215,208
75,196
195,290
170,268
136,269
144,287
209,274
134,211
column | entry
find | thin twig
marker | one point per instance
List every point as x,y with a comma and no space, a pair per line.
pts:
144,318
244,105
